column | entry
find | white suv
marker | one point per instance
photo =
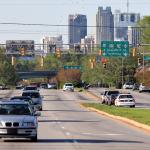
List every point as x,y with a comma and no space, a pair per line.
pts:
68,87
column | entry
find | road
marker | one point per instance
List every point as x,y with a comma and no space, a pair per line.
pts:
64,125
142,99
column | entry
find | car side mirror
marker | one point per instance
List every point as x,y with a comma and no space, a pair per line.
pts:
37,114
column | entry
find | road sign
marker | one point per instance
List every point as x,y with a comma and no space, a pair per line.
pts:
146,57
72,67
115,48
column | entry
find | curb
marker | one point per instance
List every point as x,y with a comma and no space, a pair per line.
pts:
125,120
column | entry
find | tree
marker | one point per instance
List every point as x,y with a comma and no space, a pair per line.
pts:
71,75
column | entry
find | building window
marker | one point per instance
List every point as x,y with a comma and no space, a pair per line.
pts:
132,18
122,17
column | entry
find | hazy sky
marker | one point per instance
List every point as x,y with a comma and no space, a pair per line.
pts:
55,13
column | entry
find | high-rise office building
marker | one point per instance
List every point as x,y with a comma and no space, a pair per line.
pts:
104,25
77,29
133,36
121,23
50,44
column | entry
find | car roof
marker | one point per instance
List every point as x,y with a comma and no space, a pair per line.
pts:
12,102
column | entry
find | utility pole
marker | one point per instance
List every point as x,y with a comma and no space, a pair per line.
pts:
12,60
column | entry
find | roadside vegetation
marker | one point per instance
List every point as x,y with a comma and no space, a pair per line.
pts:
98,74
139,115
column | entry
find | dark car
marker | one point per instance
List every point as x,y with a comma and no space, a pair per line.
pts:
136,86
26,99
43,85
111,96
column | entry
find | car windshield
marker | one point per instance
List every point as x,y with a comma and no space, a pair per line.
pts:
125,96
31,94
14,109
69,84
113,92
26,99
30,88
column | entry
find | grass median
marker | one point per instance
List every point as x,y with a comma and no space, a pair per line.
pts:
139,115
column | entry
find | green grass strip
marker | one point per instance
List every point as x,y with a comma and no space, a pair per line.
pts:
139,115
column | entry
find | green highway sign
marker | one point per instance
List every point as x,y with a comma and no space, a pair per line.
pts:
146,57
72,67
115,48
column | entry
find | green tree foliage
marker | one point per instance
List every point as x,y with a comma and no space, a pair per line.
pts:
71,75
8,74
144,25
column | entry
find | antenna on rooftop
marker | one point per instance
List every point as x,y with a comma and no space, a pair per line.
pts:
127,6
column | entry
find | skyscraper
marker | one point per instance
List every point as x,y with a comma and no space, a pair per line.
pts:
77,29
133,36
104,25
121,23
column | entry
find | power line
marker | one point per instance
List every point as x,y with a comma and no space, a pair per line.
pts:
61,25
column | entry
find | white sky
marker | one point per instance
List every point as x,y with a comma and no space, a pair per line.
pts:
55,12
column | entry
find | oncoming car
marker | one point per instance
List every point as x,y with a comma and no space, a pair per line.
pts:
36,98
125,100
68,87
17,120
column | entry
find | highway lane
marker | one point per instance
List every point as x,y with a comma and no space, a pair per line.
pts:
64,125
142,99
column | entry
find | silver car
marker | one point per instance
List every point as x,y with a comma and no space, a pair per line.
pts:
36,98
68,87
17,120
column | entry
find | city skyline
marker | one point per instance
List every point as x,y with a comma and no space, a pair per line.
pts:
54,13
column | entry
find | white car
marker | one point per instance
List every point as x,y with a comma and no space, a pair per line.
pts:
103,94
17,120
128,85
125,100
68,87
143,88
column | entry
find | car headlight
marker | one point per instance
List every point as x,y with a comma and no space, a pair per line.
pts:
29,124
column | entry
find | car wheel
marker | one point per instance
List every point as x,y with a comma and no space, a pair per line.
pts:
140,91
40,109
109,103
103,102
34,139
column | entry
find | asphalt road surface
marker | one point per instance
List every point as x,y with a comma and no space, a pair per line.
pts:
64,125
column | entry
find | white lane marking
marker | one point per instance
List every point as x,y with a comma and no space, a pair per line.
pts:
63,127
107,134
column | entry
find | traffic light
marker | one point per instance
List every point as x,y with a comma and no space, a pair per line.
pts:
58,53
134,51
22,51
139,61
104,65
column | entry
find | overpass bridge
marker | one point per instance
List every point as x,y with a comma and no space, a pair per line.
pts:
37,74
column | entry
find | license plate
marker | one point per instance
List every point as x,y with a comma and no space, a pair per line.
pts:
12,131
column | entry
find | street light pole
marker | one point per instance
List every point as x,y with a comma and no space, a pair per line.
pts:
122,73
